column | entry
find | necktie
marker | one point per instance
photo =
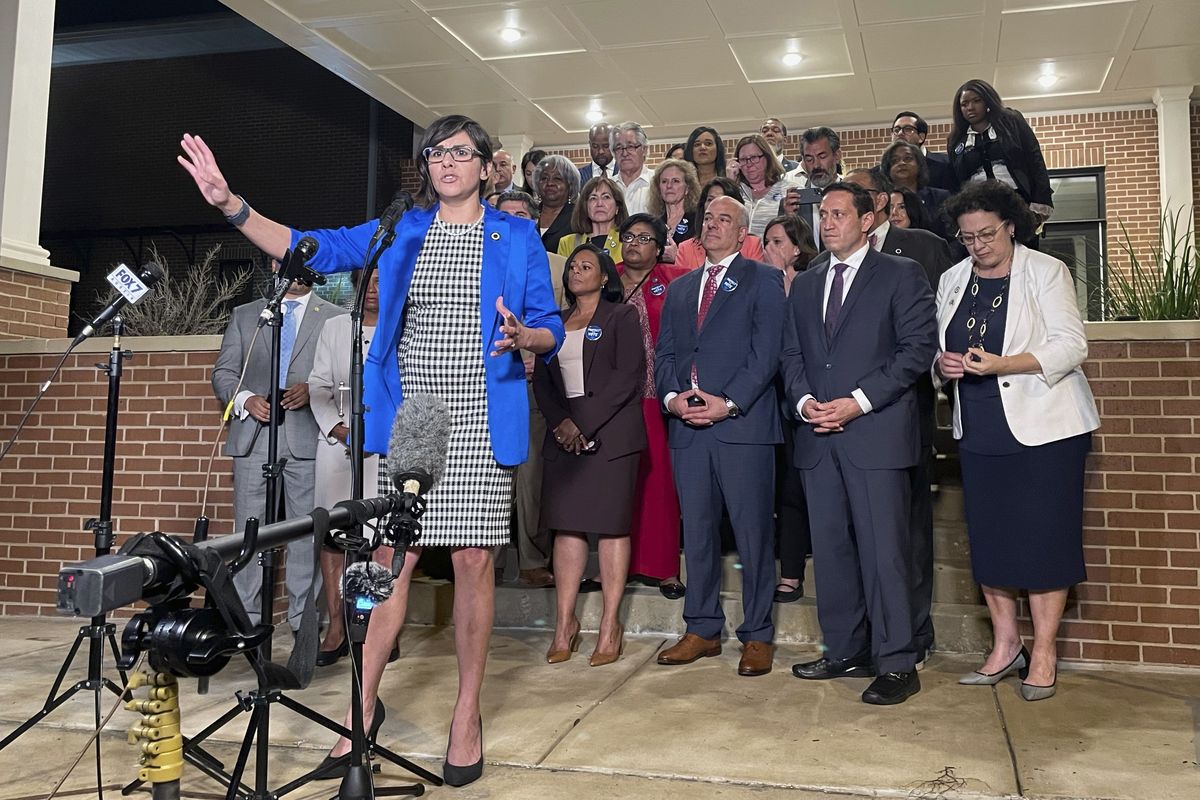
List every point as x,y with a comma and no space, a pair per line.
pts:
710,291
834,307
287,340
871,240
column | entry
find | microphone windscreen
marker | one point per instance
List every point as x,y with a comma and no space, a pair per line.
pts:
367,579
420,439
151,273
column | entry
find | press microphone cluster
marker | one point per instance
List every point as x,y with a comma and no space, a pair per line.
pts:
131,287
402,201
416,463
292,269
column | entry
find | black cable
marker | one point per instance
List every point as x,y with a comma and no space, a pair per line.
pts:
45,387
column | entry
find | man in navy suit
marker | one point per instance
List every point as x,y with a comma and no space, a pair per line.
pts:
601,151
717,356
861,330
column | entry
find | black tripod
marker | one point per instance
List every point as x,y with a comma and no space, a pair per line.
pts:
99,629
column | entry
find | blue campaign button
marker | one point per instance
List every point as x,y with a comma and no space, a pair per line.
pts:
658,289
728,285
593,333
681,228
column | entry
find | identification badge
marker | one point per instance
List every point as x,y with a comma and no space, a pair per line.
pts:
126,281
593,332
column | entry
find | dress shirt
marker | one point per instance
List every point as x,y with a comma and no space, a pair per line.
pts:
239,402
724,264
852,262
606,171
636,193
880,234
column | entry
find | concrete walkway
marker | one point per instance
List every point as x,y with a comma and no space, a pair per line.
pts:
635,729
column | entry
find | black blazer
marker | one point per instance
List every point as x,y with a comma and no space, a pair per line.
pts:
558,229
886,338
1022,157
614,367
941,174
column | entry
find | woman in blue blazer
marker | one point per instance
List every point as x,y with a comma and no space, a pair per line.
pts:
461,291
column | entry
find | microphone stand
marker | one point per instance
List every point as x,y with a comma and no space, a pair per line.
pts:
99,628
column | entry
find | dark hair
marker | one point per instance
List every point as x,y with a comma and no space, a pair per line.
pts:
656,224
673,148
611,290
535,156
443,128
774,168
581,221
814,135
1000,117
782,124
800,234
863,202
879,183
918,217
889,155
517,196
689,147
728,185
994,197
922,126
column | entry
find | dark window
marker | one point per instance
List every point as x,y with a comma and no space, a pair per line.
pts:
1076,234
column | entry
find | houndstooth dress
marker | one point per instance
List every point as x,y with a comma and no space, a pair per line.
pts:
440,353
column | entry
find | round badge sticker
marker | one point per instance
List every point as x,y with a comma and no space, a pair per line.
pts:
658,289
681,228
728,285
593,332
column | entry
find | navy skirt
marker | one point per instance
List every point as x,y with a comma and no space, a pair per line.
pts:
1025,514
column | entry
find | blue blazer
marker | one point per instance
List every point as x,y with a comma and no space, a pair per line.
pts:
736,351
514,267
886,338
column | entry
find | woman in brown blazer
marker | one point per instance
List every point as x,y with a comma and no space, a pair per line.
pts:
590,396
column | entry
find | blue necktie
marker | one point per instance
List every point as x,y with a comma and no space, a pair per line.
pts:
287,340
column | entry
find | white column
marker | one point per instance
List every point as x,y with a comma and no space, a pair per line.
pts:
26,44
1173,104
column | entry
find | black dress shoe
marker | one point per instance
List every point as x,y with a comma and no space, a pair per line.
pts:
672,589
456,775
327,658
825,668
330,768
786,593
891,688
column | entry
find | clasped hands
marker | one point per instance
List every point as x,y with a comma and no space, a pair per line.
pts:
831,416
714,409
293,397
569,437
976,361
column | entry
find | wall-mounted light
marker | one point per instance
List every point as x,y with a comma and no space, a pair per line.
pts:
511,34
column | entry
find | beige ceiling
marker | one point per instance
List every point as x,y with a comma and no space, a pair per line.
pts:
675,64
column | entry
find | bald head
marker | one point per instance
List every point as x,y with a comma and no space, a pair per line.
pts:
725,222
503,164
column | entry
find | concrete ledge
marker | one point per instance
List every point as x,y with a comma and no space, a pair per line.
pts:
1142,331
101,344
41,270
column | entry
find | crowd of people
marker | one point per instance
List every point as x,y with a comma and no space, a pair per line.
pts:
738,347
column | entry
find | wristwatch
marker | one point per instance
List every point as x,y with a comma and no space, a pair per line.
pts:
732,408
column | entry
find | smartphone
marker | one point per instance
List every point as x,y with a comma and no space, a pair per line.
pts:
696,401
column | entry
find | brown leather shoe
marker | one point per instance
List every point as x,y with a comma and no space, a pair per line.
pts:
537,578
688,649
756,659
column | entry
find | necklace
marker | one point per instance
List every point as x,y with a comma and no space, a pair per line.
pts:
467,227
976,324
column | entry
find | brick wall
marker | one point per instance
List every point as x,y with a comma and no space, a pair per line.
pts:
32,306
1141,602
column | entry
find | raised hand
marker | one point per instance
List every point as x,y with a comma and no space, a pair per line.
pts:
202,166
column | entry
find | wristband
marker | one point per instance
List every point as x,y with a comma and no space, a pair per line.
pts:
241,216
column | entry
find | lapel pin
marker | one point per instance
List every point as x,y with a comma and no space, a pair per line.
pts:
495,236
593,333
729,285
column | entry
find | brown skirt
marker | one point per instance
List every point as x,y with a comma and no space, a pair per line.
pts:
589,493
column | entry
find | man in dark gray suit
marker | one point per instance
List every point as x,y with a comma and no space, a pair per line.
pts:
861,330
304,314
933,254
715,364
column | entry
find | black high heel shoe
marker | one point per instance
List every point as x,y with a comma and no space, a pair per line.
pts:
455,775
330,769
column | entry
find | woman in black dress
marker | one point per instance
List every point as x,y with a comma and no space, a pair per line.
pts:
1012,344
589,394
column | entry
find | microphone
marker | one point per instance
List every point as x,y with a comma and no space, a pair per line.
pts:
131,288
364,586
416,462
402,201
293,268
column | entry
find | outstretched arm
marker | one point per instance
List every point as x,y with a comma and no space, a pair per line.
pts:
199,161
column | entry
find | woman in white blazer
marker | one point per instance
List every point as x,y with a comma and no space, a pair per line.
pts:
329,397
1012,343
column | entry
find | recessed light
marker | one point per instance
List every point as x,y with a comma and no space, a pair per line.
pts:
595,115
511,34
792,59
1047,80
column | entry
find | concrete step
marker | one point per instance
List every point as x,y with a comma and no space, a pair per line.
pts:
960,628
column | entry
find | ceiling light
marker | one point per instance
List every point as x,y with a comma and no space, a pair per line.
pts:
594,116
1047,80
511,34
792,59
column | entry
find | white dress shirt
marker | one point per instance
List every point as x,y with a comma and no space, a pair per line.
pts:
239,402
606,171
852,262
724,265
637,193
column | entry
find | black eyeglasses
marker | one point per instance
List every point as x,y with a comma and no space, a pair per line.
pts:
460,153
899,129
640,238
